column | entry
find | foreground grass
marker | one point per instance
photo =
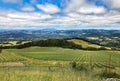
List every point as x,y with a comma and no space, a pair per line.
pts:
53,64
44,74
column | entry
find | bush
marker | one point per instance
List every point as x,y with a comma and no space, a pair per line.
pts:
80,66
102,48
73,64
83,67
111,74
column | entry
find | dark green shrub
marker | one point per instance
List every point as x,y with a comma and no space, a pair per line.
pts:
80,66
111,74
74,64
83,67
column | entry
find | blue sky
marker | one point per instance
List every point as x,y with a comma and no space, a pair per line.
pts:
60,14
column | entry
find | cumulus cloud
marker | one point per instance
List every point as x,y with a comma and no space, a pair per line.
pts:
28,8
74,5
92,10
113,4
49,8
15,18
83,7
76,13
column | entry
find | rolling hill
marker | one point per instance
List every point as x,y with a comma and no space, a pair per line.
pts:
86,44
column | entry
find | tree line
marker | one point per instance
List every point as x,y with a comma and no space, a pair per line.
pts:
51,43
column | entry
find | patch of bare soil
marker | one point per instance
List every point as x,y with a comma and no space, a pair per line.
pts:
12,64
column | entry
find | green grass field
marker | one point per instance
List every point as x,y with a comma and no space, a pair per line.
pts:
61,54
53,64
84,44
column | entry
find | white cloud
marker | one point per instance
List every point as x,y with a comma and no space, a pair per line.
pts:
74,5
83,7
49,8
15,18
113,4
28,8
76,13
92,10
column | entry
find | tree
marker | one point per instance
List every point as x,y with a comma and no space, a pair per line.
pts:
0,50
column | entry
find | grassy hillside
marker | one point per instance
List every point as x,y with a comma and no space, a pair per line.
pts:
85,44
61,54
54,64
64,43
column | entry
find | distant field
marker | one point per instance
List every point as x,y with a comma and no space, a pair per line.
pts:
13,43
53,64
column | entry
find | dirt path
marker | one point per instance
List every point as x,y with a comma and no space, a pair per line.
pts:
12,64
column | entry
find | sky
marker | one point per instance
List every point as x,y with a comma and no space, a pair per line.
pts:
61,14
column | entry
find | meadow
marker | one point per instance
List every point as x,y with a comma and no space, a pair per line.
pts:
57,64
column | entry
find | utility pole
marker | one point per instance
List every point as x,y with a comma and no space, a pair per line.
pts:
110,59
91,64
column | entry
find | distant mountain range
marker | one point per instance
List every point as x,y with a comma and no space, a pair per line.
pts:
102,37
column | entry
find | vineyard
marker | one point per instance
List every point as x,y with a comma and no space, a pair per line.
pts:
44,62
6,56
60,54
